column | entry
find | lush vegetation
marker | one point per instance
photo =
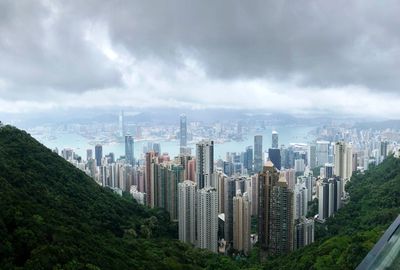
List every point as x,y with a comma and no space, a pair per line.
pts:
344,240
53,216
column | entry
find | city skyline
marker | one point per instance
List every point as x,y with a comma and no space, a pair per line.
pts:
180,134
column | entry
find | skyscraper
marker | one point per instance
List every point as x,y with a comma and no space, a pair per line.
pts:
89,154
187,214
157,148
151,158
300,201
191,170
204,163
274,154
230,191
383,149
258,153
299,165
248,159
275,214
322,152
254,195
98,152
304,233
174,176
312,156
207,219
129,156
241,222
343,168
323,201
328,170
183,134
304,228
275,139
329,197
340,159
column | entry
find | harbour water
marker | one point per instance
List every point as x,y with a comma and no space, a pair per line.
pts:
80,144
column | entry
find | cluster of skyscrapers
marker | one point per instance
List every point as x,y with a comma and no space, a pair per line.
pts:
214,201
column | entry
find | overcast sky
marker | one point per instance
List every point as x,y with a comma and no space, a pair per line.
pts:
297,57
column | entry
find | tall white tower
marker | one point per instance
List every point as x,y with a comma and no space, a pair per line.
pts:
187,214
207,219
241,222
183,134
275,139
343,162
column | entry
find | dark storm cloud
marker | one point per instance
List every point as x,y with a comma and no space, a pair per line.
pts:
317,43
42,48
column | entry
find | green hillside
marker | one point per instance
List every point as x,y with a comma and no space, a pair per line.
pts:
345,239
52,216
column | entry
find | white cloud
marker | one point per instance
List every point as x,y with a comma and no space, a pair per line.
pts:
69,56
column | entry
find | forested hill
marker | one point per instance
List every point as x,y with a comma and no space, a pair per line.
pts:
52,216
346,239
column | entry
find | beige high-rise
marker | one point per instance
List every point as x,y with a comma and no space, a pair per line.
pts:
241,222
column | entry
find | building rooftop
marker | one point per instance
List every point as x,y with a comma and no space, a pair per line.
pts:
269,164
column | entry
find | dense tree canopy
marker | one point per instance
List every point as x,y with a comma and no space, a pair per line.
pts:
52,216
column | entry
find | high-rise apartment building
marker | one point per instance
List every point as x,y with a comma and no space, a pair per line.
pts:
384,149
220,181
300,200
290,175
299,165
258,153
187,211
274,154
129,150
328,170
98,152
329,197
150,160
304,233
312,156
248,159
229,193
343,166
275,214
275,139
207,219
89,154
166,177
241,222
183,134
204,163
254,195
322,152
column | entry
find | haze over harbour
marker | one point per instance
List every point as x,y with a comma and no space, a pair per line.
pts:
287,134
